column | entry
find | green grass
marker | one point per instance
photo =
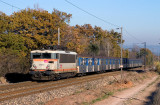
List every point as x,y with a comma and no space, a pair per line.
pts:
99,98
85,103
102,98
77,92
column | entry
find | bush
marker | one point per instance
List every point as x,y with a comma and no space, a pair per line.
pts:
157,65
12,61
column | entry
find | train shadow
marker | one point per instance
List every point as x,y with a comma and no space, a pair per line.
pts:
21,77
138,71
17,77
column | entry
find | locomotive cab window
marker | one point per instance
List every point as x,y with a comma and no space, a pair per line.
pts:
57,56
41,56
35,55
46,55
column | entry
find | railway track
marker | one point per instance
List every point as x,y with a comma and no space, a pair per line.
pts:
8,92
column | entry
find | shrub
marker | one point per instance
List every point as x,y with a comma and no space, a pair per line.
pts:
12,61
157,65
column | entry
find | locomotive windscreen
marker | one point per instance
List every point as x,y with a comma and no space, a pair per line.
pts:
41,55
46,55
36,55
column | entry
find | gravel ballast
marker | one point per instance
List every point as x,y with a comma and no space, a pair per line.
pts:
42,98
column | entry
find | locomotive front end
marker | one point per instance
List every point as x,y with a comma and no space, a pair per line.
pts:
43,64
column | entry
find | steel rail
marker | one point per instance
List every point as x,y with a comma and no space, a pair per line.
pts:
51,86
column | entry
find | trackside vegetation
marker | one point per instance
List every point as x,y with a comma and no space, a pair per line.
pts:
31,29
157,66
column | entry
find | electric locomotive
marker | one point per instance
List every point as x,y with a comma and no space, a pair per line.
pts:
52,64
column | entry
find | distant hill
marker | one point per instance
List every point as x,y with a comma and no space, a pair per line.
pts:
154,48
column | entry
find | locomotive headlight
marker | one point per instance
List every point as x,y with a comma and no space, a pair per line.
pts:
34,66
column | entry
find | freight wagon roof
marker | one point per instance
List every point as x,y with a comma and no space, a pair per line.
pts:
53,51
102,57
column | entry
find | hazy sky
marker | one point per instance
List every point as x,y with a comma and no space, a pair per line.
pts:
141,18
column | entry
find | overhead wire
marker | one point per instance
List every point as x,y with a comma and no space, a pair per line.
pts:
132,35
10,4
91,14
101,19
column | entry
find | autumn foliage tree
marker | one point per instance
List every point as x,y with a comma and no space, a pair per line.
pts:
31,29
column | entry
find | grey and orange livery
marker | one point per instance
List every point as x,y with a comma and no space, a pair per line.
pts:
52,64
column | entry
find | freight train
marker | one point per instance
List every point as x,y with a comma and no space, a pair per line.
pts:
50,64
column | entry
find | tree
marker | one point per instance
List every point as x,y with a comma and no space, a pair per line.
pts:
39,25
3,22
149,56
93,48
31,29
13,42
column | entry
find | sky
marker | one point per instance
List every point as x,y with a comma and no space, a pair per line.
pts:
140,19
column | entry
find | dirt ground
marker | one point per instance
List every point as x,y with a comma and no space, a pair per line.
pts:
144,97
122,98
129,93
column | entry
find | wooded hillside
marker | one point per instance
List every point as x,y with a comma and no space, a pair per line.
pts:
31,29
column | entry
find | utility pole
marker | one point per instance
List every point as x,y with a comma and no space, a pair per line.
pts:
158,55
121,60
58,36
128,53
153,57
139,53
121,55
144,55
108,48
